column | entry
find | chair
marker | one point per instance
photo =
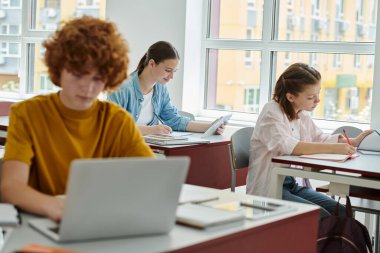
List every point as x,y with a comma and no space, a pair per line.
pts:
239,152
187,114
350,130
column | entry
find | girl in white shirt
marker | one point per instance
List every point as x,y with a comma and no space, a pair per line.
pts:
285,128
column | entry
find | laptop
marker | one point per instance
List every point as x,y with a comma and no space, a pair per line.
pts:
118,197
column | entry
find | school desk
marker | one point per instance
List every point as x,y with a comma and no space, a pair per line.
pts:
210,164
363,171
291,232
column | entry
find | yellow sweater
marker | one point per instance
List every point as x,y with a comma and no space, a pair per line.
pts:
47,136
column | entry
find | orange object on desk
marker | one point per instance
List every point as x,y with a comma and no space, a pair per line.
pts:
38,248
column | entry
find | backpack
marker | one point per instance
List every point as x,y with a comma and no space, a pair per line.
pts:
342,234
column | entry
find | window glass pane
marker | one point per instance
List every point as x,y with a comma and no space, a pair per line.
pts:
327,20
233,80
10,18
39,81
346,92
9,67
233,18
49,13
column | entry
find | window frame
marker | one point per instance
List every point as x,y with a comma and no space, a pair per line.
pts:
27,36
268,46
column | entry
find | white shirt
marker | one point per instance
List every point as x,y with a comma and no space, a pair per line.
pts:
273,137
146,114
296,123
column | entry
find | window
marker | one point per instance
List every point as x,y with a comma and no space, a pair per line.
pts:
318,32
10,4
337,61
7,29
357,60
21,42
251,99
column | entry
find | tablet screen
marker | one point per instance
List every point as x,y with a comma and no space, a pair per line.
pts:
211,130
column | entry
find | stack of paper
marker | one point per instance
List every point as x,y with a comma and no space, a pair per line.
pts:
8,215
163,139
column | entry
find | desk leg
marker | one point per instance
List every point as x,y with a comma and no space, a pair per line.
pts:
377,232
275,190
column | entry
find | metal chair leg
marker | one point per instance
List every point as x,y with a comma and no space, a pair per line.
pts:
233,176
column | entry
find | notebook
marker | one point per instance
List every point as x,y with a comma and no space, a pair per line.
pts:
330,157
177,140
118,197
8,215
200,216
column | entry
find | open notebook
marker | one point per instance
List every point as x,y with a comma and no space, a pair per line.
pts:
330,157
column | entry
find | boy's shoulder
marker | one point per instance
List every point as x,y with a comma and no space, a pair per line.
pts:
112,109
34,102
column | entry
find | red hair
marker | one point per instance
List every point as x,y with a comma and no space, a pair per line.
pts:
88,42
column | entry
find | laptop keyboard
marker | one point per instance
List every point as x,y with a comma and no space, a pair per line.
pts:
55,229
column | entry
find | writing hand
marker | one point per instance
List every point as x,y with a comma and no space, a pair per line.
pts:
161,129
343,148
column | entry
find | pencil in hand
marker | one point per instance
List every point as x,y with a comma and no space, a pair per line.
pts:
348,139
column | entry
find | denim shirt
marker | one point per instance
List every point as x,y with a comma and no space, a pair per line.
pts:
130,97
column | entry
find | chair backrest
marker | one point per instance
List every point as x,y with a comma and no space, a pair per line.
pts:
187,114
350,130
240,142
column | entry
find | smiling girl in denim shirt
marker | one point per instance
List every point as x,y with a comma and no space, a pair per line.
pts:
146,96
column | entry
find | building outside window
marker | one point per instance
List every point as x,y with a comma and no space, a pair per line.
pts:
22,71
327,40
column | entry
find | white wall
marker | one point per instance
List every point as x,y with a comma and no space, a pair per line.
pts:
143,22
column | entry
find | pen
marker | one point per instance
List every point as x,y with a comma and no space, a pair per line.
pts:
348,139
377,132
159,119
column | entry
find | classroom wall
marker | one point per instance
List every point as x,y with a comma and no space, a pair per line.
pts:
144,22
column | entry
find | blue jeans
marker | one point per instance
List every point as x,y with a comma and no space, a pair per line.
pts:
292,192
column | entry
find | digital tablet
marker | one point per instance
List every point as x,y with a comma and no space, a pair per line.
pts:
217,123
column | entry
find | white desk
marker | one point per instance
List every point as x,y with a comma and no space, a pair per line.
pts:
267,235
365,172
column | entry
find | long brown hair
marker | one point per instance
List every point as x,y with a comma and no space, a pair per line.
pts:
294,80
159,51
